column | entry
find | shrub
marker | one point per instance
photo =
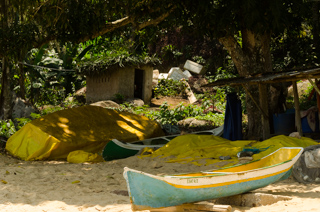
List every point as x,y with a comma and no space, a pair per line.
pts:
7,128
169,87
168,116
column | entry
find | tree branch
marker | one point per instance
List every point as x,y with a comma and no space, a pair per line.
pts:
236,53
157,20
109,27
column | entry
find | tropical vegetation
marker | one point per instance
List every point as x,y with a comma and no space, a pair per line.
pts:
47,46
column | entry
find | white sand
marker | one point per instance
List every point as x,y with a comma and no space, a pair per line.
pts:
61,186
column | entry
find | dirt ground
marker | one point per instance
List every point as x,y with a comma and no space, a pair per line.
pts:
172,101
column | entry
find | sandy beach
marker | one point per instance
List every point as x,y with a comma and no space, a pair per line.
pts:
45,186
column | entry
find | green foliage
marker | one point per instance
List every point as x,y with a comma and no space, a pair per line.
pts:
198,59
18,32
212,17
125,106
220,95
24,120
112,53
143,111
304,102
119,97
168,116
35,116
51,78
170,52
169,87
294,48
16,37
7,128
78,21
104,62
139,110
21,122
50,109
216,118
70,102
171,116
223,74
207,103
210,101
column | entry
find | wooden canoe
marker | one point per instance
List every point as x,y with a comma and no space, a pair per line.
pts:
116,149
149,192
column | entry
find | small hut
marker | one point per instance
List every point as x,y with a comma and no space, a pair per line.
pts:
121,77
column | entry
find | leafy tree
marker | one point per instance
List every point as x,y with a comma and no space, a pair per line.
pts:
27,24
246,28
17,34
50,72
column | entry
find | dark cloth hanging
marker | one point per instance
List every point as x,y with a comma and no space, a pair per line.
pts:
233,118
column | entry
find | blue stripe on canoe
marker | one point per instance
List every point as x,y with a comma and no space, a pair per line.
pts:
149,192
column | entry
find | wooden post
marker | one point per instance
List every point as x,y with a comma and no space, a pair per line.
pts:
297,107
314,84
255,102
200,206
263,98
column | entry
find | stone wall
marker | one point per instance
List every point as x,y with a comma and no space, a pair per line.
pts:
120,81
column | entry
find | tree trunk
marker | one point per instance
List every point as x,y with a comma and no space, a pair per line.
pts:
315,27
5,97
21,81
250,59
21,66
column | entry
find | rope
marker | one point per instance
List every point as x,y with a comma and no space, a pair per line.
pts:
43,67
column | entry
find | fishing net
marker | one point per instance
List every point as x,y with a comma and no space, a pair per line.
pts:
307,168
208,149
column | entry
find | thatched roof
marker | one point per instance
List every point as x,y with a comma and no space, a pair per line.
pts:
103,64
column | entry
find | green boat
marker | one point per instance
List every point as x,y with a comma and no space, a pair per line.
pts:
116,149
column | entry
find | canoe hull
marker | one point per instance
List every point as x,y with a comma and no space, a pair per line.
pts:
113,151
149,192
165,195
117,150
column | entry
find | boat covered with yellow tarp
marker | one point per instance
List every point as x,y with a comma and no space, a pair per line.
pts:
204,150
85,129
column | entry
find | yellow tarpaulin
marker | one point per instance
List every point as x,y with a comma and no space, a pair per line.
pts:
81,156
207,149
86,128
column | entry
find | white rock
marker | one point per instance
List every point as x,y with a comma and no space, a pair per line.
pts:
194,67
